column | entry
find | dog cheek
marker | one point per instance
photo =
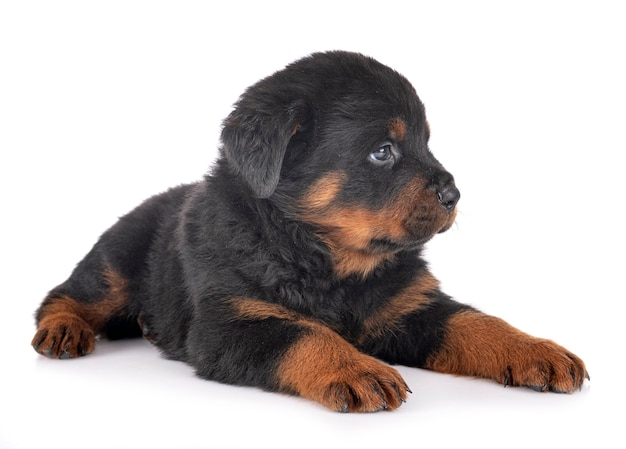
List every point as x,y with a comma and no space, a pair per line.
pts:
322,193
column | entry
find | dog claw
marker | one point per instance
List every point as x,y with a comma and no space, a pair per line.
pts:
407,390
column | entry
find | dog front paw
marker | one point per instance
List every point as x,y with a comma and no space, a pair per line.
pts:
326,369
363,391
484,346
542,365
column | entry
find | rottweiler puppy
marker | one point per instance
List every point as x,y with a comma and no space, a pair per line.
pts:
295,265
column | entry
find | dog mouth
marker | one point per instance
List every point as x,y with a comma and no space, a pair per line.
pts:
417,233
448,224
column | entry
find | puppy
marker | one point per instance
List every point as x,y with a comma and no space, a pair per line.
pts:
295,265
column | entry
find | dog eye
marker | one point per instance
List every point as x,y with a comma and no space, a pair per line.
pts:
382,155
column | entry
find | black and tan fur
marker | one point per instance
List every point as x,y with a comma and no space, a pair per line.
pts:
295,264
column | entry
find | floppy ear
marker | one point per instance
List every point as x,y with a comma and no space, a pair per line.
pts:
255,138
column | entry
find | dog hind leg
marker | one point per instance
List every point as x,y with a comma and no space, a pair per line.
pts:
71,317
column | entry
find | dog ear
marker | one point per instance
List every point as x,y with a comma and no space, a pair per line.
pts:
255,139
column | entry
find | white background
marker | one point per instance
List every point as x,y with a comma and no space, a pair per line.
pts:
102,105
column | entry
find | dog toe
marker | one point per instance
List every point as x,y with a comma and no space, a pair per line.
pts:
65,338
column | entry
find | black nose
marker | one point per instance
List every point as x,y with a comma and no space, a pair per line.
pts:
448,196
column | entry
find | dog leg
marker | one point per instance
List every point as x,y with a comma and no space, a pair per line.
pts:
256,343
423,327
480,345
67,326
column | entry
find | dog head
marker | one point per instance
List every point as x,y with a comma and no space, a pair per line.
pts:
340,141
